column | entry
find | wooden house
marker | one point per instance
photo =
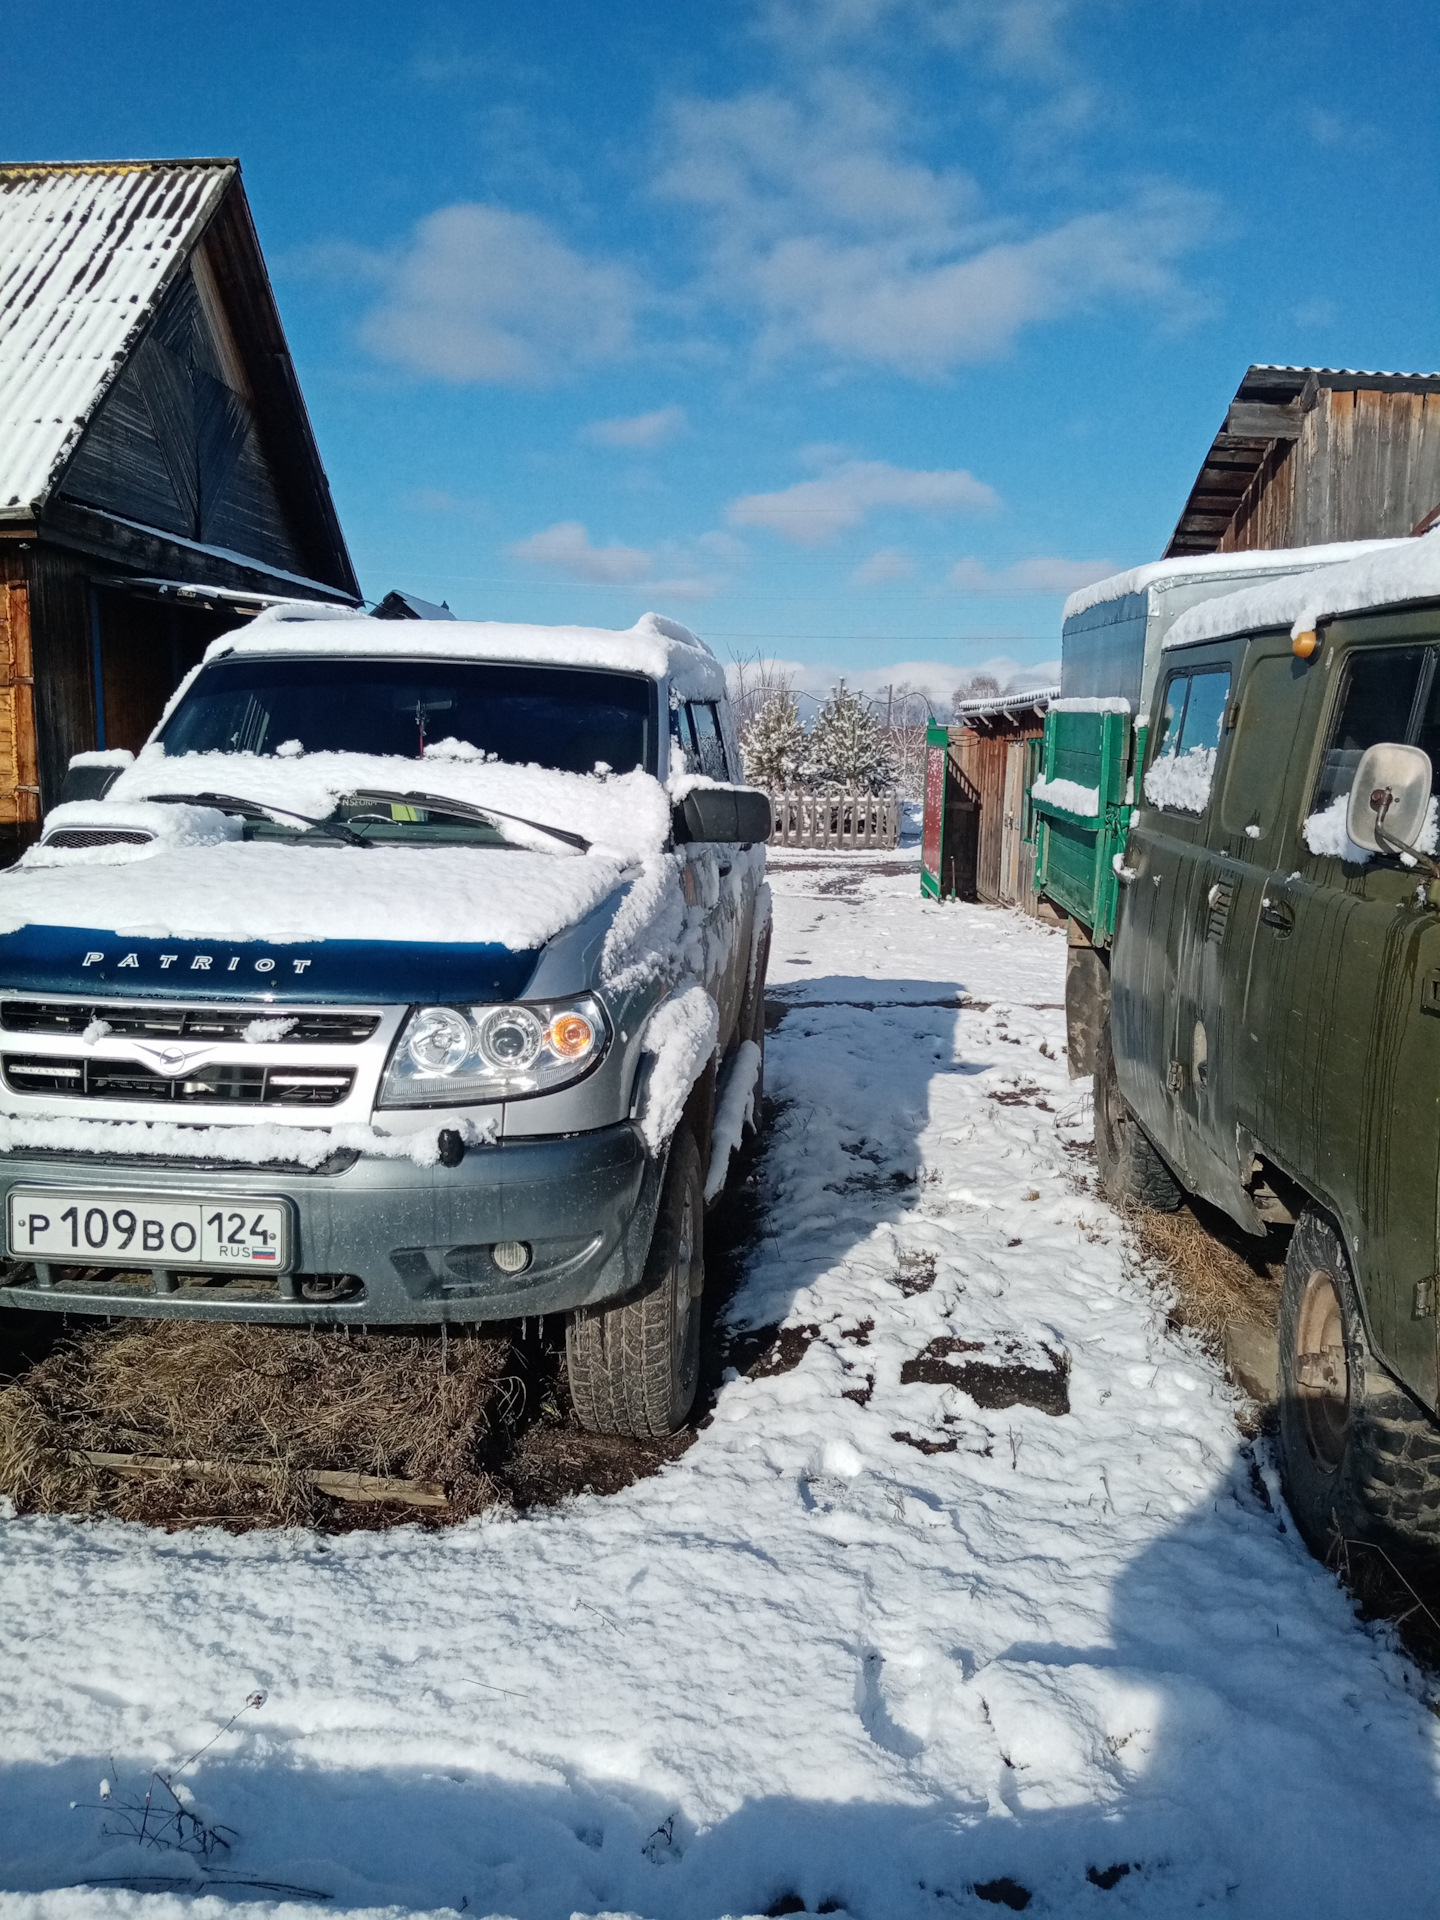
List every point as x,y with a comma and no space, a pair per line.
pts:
1313,454
159,479
984,839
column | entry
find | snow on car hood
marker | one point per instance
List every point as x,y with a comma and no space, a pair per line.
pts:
265,890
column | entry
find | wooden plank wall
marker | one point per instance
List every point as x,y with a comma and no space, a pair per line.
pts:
1365,466
19,782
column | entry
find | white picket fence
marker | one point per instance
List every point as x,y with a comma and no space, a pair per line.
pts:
841,820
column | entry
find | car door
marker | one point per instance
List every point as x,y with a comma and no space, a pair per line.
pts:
720,877
1152,1020
1342,999
1244,829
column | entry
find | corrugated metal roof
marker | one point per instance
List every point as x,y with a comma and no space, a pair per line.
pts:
85,251
1006,702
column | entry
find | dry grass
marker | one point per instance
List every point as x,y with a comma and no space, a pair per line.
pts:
1219,1274
407,1405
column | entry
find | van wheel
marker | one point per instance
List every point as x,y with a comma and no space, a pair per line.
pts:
633,1368
1359,1458
1131,1171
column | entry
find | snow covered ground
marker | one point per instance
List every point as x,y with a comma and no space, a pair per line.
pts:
868,1645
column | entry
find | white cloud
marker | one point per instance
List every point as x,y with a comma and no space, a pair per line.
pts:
820,223
566,550
639,429
814,511
1041,574
483,294
890,563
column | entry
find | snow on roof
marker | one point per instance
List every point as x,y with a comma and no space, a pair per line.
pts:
660,649
85,252
1184,569
1007,702
1389,573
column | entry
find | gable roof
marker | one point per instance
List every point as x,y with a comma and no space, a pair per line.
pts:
85,253
90,254
1267,411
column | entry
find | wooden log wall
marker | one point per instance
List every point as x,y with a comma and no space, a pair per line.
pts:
1366,465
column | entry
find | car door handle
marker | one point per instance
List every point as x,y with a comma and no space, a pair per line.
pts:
1278,914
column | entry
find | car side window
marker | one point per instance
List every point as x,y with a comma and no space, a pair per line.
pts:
1388,695
709,747
1188,740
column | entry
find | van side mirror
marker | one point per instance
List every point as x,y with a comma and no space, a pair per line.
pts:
1389,798
721,813
90,776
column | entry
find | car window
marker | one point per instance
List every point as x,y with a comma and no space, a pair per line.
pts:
1387,695
1191,722
709,747
1270,702
564,717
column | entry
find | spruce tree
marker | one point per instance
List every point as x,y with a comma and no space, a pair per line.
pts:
773,745
847,750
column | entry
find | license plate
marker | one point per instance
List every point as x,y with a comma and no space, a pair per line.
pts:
148,1230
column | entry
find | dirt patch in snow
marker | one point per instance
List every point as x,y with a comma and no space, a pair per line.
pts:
995,1383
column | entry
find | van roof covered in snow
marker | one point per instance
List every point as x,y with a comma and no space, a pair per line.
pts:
1387,573
660,649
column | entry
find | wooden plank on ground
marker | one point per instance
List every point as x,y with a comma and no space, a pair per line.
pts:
362,1487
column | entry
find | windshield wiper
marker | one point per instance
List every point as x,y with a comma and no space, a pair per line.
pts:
463,810
262,810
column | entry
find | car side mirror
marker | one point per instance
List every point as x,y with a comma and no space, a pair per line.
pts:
1389,798
90,776
721,813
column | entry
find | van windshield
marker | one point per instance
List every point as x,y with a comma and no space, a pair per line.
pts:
567,718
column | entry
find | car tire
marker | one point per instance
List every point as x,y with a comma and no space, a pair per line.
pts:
1359,1459
1131,1169
633,1368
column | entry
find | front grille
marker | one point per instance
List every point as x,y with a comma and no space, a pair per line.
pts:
97,837
278,1086
185,1023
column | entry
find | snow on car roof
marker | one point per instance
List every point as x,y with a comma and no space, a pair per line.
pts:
1170,573
1389,574
660,649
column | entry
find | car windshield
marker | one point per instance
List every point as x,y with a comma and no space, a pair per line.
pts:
568,718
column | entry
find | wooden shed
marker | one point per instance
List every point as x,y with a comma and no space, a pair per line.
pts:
159,478
1313,454
985,842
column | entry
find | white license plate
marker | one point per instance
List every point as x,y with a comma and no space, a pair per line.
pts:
147,1230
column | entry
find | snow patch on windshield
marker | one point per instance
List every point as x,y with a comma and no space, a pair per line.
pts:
680,1035
1070,795
624,817
1182,780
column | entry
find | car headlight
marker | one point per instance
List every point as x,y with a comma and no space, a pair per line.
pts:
449,1056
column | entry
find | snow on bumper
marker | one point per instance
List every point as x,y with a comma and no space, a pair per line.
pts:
414,1243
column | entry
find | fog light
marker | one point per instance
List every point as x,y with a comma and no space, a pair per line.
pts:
511,1256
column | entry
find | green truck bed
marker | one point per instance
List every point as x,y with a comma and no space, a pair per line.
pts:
1083,800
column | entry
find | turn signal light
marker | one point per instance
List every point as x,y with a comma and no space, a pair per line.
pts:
1305,645
570,1035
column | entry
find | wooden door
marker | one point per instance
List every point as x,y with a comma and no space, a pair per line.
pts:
19,783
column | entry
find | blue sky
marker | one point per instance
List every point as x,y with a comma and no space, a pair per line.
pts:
849,331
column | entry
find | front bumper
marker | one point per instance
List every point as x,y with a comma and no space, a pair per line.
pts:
382,1242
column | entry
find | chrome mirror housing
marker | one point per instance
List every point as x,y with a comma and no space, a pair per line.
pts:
1389,798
